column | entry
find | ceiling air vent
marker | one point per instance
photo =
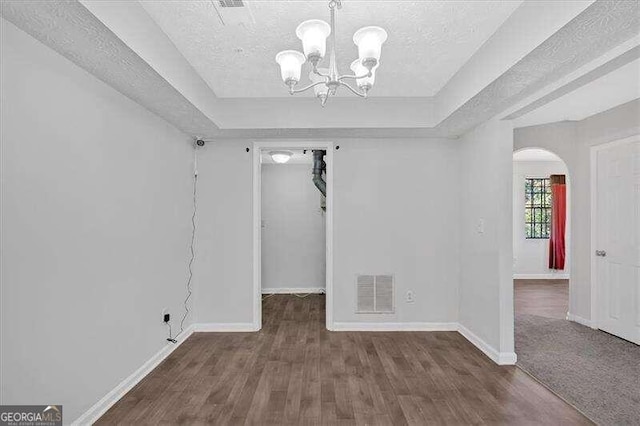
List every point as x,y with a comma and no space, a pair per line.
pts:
374,294
234,13
231,3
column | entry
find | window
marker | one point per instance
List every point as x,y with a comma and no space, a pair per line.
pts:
537,210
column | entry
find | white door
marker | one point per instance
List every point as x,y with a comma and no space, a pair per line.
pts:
618,239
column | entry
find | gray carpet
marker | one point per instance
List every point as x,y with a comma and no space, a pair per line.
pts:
597,373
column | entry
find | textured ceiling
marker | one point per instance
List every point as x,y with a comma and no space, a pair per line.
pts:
428,40
71,30
601,27
79,35
613,89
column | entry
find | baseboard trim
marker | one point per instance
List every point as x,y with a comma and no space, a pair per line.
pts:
500,358
395,326
294,290
220,327
99,408
541,276
580,320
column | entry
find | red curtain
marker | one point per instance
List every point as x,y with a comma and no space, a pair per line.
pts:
558,222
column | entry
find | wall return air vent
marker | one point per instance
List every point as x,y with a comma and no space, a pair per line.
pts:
374,294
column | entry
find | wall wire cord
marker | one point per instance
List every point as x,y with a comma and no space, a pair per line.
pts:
193,236
170,339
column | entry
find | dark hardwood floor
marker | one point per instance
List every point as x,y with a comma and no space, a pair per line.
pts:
296,372
545,298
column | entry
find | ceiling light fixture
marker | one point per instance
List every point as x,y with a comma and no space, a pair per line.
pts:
325,81
280,157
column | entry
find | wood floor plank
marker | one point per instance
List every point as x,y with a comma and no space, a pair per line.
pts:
295,372
545,298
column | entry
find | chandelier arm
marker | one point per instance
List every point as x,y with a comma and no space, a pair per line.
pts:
355,77
317,72
354,91
293,91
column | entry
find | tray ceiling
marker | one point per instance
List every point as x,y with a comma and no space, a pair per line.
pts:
428,40
545,50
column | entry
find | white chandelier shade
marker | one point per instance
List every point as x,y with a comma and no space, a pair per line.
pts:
290,62
369,41
313,34
325,81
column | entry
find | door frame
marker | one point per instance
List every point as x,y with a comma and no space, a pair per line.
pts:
594,220
258,148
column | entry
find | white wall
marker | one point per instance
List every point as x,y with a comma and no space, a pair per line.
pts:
486,286
223,272
572,142
531,256
396,210
293,229
95,230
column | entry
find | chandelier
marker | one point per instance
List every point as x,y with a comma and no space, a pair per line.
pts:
325,81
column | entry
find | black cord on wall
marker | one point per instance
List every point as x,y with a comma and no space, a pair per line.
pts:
193,236
170,339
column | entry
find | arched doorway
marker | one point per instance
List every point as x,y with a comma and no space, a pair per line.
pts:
541,262
541,251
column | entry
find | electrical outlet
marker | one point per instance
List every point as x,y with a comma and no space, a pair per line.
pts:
410,297
165,315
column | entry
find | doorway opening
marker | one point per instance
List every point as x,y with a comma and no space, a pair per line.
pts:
541,235
565,353
293,232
